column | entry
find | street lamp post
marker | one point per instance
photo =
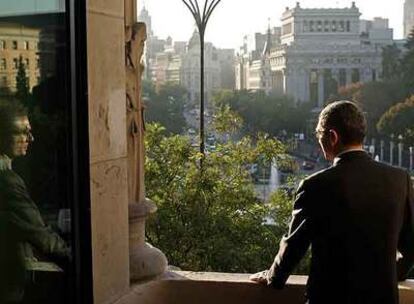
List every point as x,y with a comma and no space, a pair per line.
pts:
201,18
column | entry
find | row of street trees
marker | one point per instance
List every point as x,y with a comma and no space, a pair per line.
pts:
389,103
277,115
165,106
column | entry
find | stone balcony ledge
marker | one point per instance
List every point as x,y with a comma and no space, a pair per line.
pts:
182,287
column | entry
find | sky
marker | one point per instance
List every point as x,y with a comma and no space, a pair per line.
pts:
233,19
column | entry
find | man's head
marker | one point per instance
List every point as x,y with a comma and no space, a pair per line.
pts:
15,129
341,126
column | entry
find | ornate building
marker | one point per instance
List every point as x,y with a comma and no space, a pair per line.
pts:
190,78
321,50
318,50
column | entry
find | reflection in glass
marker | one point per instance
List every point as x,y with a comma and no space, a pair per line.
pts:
35,176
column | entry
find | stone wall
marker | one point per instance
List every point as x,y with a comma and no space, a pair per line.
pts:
108,148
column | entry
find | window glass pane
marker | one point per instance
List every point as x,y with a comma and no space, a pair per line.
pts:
35,162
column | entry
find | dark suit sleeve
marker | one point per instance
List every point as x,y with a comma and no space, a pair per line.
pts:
406,239
294,244
26,223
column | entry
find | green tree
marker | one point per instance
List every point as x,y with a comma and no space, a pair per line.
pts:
375,98
399,120
165,106
391,63
22,82
273,114
212,221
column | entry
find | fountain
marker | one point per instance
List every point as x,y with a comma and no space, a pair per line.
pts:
274,180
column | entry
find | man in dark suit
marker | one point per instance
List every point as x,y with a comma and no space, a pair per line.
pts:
355,215
24,237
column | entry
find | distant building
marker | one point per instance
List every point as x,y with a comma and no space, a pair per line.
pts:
190,78
153,44
252,67
226,58
408,17
167,69
319,50
178,63
376,32
18,41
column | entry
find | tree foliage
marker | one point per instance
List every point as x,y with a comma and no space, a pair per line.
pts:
391,63
212,220
399,119
22,82
272,114
375,98
165,106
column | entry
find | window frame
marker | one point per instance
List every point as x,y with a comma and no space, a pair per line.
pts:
81,206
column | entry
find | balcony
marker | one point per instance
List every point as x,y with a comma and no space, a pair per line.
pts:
207,287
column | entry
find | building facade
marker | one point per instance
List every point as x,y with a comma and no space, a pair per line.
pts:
179,64
376,32
408,17
318,51
252,65
18,43
322,49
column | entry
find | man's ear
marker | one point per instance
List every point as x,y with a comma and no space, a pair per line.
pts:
333,137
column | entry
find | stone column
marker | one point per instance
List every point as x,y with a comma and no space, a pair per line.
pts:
372,148
285,81
367,75
348,76
400,150
306,78
411,158
335,75
321,89
145,261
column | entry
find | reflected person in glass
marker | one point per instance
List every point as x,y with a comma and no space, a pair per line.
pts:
24,237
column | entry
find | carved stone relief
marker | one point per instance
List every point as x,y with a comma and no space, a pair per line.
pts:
146,261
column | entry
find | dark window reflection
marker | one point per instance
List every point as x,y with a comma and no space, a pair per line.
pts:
35,163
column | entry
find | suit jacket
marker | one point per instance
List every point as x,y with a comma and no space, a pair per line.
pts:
354,215
22,232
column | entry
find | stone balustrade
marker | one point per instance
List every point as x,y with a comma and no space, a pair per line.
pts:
207,287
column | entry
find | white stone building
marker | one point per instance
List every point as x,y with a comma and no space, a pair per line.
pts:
376,32
252,67
320,50
190,70
408,17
